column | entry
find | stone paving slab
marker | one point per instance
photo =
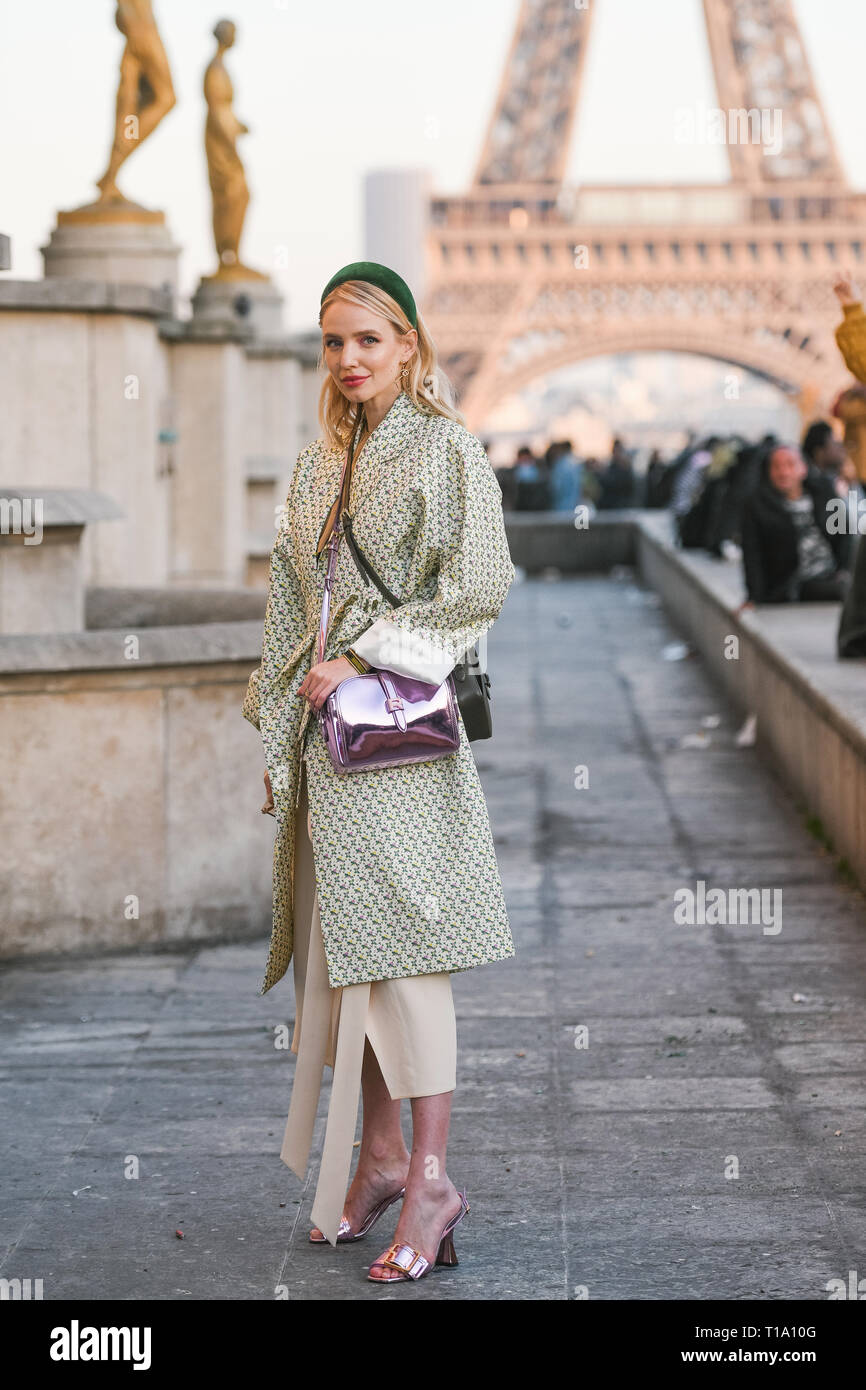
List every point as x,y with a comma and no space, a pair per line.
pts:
606,1166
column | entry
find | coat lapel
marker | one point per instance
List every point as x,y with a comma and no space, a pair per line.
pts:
388,440
375,471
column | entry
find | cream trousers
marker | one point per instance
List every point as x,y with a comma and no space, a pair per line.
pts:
410,1023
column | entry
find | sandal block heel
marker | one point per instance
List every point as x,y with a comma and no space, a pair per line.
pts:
446,1254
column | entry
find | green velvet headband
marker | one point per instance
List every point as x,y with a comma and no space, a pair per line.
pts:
376,274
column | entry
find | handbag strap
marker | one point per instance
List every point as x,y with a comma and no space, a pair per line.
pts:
363,564
344,524
333,544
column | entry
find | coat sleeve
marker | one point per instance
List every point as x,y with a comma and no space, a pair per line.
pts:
285,615
851,340
461,560
250,706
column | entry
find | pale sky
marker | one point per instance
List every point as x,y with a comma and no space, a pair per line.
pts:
336,88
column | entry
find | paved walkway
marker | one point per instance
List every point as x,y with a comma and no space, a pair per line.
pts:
711,1049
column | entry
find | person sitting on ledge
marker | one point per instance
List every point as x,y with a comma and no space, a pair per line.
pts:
789,554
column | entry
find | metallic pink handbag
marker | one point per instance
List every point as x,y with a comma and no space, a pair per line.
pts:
382,719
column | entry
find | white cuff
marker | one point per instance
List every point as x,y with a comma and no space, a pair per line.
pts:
389,647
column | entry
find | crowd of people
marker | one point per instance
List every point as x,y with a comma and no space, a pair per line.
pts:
558,481
791,514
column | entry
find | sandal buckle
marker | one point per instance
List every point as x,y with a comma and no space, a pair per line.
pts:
407,1259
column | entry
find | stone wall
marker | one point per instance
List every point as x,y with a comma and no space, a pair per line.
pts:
132,789
810,706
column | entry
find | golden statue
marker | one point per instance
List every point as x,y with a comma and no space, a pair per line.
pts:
850,405
225,170
144,94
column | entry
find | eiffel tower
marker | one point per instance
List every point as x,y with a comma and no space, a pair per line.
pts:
526,274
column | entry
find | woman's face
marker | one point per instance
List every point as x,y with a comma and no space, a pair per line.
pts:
362,351
787,471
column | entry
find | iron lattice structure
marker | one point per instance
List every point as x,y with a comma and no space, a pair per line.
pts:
527,274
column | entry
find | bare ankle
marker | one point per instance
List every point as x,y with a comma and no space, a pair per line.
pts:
385,1159
432,1189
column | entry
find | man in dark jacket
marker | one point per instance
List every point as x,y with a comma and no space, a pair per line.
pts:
822,451
532,488
618,481
789,554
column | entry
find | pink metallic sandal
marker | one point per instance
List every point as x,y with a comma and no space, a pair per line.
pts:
344,1230
410,1263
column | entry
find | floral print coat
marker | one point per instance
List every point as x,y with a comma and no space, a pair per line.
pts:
406,870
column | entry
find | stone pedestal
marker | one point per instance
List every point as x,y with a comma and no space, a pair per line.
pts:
41,566
208,497
95,413
251,305
122,243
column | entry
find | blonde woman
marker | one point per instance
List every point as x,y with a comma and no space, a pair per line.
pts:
385,880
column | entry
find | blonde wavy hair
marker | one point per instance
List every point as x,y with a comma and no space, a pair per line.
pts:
427,385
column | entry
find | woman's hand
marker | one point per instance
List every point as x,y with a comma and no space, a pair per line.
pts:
268,809
845,290
324,677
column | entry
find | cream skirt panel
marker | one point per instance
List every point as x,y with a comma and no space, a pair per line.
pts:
410,1023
